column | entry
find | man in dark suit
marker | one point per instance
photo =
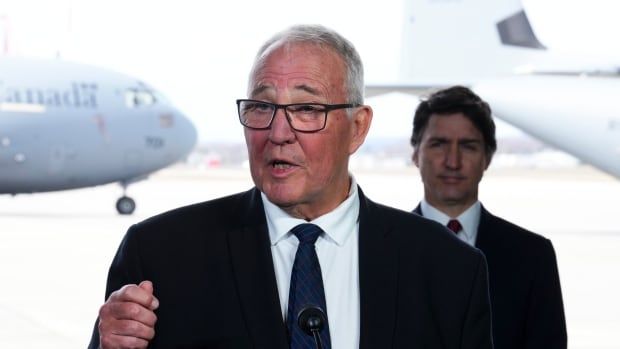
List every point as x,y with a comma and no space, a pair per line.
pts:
237,272
454,141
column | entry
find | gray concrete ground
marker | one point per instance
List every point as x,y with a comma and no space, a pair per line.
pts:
55,248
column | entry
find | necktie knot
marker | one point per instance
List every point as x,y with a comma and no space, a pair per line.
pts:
307,233
455,226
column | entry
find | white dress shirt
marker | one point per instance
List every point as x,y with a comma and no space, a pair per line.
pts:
338,255
469,219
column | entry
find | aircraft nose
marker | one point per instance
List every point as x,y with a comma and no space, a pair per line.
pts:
187,134
180,133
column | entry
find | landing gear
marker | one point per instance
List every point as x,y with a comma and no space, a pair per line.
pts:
125,205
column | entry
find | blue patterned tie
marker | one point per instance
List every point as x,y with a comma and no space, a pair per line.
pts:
306,287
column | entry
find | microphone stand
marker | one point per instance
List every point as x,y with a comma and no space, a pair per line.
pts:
317,339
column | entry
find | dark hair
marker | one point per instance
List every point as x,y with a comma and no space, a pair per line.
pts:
456,99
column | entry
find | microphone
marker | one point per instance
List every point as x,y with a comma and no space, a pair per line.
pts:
311,320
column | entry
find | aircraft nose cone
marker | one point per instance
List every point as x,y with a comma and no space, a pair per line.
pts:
187,134
181,133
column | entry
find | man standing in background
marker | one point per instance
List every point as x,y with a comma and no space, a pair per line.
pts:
454,142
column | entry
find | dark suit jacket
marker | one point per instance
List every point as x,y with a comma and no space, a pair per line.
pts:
526,298
212,270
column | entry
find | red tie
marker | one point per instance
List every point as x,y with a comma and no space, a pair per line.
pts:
455,226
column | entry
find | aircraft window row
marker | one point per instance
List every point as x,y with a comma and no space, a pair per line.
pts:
135,98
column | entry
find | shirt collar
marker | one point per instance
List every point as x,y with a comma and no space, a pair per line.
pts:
469,219
337,224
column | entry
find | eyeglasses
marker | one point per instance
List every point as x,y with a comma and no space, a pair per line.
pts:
302,117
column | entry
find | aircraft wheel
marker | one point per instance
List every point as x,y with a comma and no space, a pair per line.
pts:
125,205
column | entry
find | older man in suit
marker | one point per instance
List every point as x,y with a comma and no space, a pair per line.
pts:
454,141
241,271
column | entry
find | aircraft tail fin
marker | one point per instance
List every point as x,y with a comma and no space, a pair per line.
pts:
516,30
447,42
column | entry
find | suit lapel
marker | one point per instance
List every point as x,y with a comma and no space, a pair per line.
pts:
418,210
484,238
378,272
253,271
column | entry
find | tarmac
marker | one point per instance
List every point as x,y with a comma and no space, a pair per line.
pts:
56,248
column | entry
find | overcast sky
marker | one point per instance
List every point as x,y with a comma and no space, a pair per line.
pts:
199,54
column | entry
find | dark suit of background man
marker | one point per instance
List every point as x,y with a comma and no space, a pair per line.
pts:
454,141
216,274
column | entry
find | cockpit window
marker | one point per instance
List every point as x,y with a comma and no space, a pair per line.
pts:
136,98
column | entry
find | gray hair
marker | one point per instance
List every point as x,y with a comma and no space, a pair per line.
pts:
324,37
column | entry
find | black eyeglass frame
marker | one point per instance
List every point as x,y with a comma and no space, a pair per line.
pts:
328,108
